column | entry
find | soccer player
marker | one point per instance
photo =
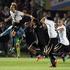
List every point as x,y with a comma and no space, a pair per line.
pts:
63,40
53,38
17,16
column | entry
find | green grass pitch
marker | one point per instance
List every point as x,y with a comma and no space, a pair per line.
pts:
31,64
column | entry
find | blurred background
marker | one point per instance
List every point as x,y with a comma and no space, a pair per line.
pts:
55,9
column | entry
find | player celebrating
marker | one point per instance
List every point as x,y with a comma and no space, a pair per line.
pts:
63,40
53,38
17,16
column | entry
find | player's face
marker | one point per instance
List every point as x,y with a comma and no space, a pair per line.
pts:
60,23
13,8
1,24
45,14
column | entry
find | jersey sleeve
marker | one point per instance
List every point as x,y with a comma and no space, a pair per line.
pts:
21,13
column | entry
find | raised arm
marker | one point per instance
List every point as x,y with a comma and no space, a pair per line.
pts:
60,29
7,19
32,18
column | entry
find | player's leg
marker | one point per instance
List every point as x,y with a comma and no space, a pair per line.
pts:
52,54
